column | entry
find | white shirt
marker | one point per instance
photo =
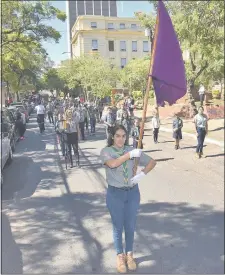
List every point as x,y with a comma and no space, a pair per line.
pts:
200,120
40,110
155,122
201,90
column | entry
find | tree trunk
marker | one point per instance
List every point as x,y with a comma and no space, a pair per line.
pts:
190,99
17,96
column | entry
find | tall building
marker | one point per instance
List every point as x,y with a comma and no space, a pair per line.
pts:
76,8
117,39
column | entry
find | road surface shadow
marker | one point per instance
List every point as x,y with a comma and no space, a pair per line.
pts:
166,141
217,129
164,159
151,151
216,155
171,237
180,238
11,256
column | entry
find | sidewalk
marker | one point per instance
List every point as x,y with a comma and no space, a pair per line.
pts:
215,133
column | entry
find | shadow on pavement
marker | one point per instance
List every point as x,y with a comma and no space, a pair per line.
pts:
164,159
11,256
171,237
216,155
180,238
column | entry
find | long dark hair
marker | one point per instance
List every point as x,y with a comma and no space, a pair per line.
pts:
110,140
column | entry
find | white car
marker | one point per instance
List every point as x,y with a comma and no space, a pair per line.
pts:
5,150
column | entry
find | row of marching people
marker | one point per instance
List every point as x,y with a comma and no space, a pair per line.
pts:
132,126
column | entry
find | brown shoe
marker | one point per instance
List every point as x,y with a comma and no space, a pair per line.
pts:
131,264
121,263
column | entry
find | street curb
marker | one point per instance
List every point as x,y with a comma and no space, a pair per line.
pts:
207,140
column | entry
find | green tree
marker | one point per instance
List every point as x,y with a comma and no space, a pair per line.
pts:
134,76
200,29
22,66
94,74
52,80
25,21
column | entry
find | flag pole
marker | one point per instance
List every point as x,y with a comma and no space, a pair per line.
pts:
149,84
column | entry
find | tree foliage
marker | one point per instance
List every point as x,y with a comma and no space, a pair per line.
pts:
200,29
134,76
24,28
94,74
25,22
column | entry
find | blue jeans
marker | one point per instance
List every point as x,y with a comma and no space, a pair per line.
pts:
201,137
92,122
123,207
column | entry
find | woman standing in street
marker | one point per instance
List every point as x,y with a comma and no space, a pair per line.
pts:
177,130
201,126
123,196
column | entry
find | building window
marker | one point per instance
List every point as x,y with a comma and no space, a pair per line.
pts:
93,25
133,26
145,46
111,46
110,26
134,46
122,26
94,45
123,62
122,46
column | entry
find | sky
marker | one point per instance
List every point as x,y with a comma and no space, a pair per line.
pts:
124,9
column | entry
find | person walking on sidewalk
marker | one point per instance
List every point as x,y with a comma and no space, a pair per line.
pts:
125,121
19,126
81,120
123,196
73,135
155,126
135,133
177,130
93,117
109,121
40,116
201,126
50,110
201,93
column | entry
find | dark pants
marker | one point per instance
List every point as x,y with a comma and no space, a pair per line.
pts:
135,143
41,122
123,208
202,98
50,117
155,134
72,142
21,129
62,140
86,123
100,115
93,123
201,137
81,126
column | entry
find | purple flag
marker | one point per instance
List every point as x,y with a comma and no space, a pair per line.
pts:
168,71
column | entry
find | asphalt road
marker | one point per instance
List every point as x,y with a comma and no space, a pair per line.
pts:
56,221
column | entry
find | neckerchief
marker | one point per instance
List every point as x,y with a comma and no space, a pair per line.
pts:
125,169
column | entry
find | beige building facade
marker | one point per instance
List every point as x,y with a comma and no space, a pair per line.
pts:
115,38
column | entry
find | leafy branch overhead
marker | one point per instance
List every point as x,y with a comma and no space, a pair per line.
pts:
26,21
200,29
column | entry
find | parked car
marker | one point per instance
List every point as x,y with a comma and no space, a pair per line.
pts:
8,120
22,109
5,149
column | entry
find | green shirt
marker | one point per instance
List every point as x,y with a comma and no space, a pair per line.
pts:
117,176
